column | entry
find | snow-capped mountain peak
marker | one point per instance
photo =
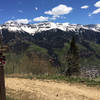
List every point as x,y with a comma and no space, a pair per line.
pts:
44,26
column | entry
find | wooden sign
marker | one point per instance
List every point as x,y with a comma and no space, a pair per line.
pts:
4,48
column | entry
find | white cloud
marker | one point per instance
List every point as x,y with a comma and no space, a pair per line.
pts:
36,8
97,4
19,21
59,10
85,7
48,12
56,16
89,14
53,18
23,21
96,11
40,19
20,11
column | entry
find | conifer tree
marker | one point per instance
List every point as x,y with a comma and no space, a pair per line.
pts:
73,59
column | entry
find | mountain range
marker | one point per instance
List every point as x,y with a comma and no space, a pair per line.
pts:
39,27
52,40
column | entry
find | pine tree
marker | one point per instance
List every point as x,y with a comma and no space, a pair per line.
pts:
73,59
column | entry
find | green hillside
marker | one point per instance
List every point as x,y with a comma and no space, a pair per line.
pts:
34,60
37,60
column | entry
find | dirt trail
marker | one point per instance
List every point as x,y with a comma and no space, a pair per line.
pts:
50,90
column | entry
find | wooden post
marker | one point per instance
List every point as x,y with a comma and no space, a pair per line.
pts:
2,83
2,78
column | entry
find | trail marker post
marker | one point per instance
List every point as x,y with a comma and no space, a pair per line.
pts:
2,62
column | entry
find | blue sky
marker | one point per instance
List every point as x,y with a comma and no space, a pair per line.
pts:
33,11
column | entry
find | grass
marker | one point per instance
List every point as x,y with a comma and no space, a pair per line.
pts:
8,98
56,78
86,81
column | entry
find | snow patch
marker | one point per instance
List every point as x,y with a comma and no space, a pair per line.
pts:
44,26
